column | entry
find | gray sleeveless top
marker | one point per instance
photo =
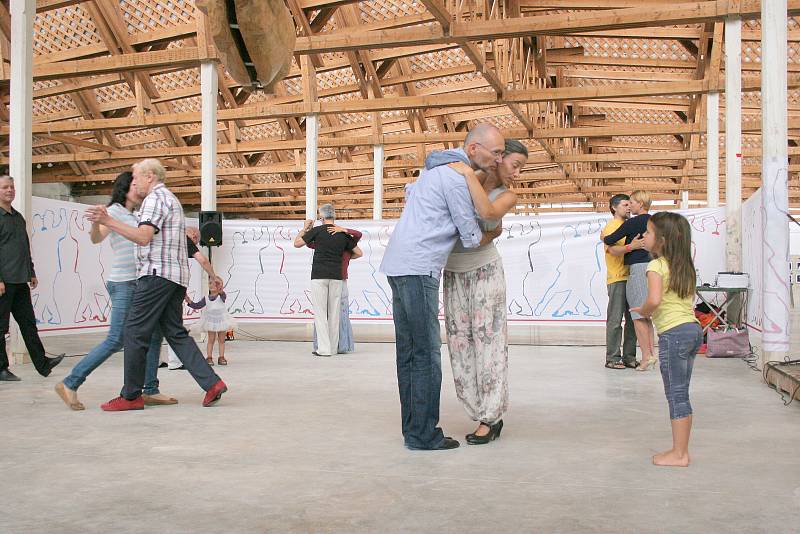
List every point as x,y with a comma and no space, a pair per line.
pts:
463,259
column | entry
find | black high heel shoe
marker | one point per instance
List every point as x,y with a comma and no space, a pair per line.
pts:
493,434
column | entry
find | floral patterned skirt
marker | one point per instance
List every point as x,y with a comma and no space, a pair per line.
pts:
477,339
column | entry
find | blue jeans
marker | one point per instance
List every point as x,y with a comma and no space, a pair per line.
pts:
121,294
677,348
415,305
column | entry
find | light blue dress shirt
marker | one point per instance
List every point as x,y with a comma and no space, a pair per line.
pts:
437,213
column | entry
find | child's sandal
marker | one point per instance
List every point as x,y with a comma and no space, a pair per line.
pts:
222,361
210,360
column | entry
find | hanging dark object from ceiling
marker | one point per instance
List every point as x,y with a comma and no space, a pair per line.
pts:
255,39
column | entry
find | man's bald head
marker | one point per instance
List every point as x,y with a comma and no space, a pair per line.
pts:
482,133
484,146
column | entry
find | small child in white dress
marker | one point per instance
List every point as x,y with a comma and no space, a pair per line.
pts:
215,319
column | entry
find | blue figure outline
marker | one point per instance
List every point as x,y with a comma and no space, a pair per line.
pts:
581,307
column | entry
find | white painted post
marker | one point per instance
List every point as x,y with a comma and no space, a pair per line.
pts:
684,200
733,141
20,134
774,172
377,198
209,87
712,150
312,138
21,115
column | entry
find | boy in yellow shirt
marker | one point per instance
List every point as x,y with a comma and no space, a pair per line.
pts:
616,277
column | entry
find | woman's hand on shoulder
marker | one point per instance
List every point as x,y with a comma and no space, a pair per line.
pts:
465,170
461,168
335,229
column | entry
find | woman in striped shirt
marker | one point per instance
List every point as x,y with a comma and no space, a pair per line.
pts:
120,284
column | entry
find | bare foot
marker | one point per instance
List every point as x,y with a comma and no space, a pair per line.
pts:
671,458
482,430
159,399
69,396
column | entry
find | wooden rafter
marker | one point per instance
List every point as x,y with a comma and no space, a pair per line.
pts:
564,76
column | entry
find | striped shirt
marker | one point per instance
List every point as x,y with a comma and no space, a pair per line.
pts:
165,255
123,268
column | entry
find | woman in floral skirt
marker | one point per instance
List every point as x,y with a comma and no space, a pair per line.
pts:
475,298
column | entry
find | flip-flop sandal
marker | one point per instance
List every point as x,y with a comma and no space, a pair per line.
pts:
75,406
615,365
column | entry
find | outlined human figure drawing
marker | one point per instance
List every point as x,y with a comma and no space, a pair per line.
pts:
47,230
240,285
369,291
521,282
296,298
580,293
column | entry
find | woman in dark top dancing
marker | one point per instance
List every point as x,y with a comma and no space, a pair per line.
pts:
637,258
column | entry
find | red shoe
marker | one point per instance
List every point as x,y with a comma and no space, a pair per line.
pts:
121,404
215,393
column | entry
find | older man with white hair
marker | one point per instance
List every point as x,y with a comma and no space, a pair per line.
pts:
326,276
163,275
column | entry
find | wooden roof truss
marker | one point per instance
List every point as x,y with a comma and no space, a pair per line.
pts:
609,95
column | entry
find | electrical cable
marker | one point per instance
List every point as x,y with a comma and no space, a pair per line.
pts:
790,394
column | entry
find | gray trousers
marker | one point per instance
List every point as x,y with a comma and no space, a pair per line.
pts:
326,296
617,309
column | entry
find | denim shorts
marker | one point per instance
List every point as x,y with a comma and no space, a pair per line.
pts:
677,348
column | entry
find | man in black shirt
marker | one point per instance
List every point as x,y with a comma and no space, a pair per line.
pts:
326,276
16,273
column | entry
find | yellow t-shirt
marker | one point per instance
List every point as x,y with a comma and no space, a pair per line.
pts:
616,270
673,310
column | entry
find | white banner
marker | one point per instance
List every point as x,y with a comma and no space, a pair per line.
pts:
72,271
554,265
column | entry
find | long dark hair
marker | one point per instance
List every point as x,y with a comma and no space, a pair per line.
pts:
122,184
674,243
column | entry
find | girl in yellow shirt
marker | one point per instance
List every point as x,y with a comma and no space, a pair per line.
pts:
671,280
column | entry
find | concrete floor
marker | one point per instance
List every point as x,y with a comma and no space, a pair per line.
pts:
304,444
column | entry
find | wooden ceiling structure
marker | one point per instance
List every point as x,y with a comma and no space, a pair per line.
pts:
609,96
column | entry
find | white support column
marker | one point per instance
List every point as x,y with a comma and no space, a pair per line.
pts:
21,116
684,200
774,172
733,141
209,87
712,150
377,198
312,138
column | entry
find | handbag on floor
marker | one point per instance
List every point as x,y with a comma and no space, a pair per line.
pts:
730,343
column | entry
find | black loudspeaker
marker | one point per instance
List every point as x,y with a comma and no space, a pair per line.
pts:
211,228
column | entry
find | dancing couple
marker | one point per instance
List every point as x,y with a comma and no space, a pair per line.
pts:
440,214
152,301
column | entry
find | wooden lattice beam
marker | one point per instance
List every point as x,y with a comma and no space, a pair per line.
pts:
551,24
454,100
